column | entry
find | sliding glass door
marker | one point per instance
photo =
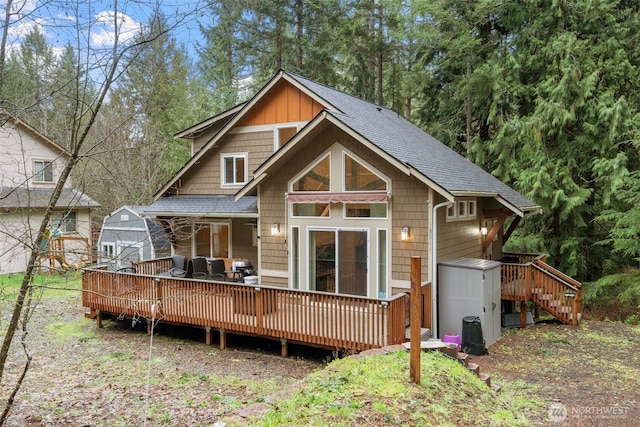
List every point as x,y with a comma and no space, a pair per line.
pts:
338,261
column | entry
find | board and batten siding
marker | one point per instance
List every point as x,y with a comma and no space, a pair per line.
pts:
284,104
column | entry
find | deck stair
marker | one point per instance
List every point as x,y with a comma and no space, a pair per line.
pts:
532,279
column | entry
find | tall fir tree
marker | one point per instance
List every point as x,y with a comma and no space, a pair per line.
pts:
564,102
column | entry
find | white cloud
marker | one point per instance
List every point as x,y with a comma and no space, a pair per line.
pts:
124,26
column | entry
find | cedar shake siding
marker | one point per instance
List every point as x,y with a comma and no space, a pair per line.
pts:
206,179
408,206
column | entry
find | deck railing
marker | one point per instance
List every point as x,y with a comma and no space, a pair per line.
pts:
315,318
528,278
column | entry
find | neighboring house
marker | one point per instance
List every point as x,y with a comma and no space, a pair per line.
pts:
324,191
30,166
126,237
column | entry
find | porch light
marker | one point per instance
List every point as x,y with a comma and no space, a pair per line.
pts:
275,229
484,230
404,234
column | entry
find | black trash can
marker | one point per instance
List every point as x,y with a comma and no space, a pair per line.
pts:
472,339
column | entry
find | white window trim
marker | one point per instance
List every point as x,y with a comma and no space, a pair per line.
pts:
320,159
360,218
53,178
276,134
105,255
365,164
123,244
456,215
224,156
291,214
210,224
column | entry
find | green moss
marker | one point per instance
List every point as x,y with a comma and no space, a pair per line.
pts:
377,390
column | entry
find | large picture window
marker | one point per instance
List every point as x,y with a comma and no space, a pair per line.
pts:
358,177
234,169
316,179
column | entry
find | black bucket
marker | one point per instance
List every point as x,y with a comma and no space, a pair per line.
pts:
472,339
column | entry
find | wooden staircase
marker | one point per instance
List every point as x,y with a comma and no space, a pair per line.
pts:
549,289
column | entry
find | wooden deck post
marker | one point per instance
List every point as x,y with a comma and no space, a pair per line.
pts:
523,314
284,347
415,319
99,319
223,339
207,335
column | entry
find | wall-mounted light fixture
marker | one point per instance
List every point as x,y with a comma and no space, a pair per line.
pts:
275,229
484,230
404,234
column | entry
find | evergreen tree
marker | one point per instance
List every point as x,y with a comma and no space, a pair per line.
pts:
564,102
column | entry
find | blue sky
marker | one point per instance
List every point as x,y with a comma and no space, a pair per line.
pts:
91,23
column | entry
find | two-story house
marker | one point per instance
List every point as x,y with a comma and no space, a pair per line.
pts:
323,191
30,165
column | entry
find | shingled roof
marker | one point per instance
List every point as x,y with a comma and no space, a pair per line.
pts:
410,145
216,205
23,198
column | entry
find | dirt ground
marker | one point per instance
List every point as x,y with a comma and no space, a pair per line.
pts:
589,375
116,376
85,376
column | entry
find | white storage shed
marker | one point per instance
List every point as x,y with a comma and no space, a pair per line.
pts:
469,287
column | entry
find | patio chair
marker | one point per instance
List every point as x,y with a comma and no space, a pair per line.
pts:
178,268
217,270
199,268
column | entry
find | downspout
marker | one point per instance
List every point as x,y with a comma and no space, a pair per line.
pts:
434,267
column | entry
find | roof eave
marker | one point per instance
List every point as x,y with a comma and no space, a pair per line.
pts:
190,131
236,118
200,214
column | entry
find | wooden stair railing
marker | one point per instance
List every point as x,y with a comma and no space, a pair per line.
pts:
556,293
548,288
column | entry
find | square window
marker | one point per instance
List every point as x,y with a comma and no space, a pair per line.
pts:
284,134
234,169
42,171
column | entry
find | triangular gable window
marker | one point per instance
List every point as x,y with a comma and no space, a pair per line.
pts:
360,178
316,179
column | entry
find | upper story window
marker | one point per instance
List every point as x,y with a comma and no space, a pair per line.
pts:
64,221
283,134
234,169
316,179
42,171
360,178
462,209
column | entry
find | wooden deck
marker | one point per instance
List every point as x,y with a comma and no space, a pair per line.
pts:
530,278
321,319
311,318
